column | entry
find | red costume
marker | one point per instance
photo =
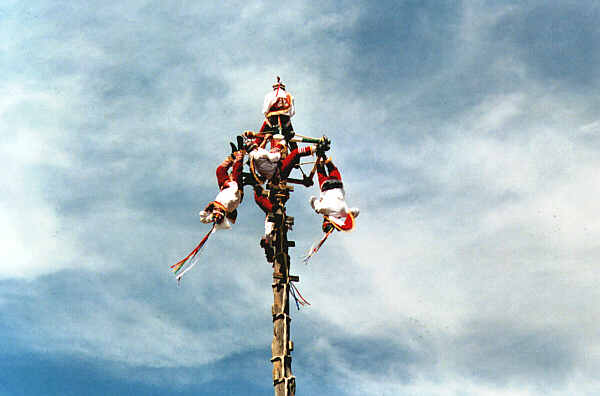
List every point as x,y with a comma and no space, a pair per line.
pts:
278,108
267,206
223,210
265,164
331,204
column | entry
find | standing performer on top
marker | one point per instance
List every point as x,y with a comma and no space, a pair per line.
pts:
331,203
278,108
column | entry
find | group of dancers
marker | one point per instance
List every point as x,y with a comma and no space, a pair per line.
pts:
273,152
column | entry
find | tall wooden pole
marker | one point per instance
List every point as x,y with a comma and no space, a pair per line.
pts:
284,381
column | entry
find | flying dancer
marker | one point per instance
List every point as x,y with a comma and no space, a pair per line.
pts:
331,204
222,212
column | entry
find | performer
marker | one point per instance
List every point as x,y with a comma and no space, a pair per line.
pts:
267,206
265,164
223,210
278,108
331,203
266,242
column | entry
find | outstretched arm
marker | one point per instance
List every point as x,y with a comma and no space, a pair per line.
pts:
293,159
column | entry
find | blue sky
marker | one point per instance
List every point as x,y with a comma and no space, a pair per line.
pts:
466,132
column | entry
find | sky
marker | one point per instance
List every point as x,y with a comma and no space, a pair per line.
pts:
467,132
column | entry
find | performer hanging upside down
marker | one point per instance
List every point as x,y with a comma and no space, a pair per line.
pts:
223,210
331,203
267,206
264,164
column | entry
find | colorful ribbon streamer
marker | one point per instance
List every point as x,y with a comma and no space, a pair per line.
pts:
189,259
297,296
316,246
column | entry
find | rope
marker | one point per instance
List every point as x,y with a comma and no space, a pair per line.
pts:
305,137
253,171
300,300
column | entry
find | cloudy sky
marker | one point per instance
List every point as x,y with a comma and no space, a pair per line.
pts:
468,133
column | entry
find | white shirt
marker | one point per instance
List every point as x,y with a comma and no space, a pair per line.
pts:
279,95
265,162
230,198
331,203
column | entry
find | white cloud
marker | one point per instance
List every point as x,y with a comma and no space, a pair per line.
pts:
591,128
33,240
448,386
503,248
484,227
132,332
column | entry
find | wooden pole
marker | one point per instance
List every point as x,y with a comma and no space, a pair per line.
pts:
284,381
